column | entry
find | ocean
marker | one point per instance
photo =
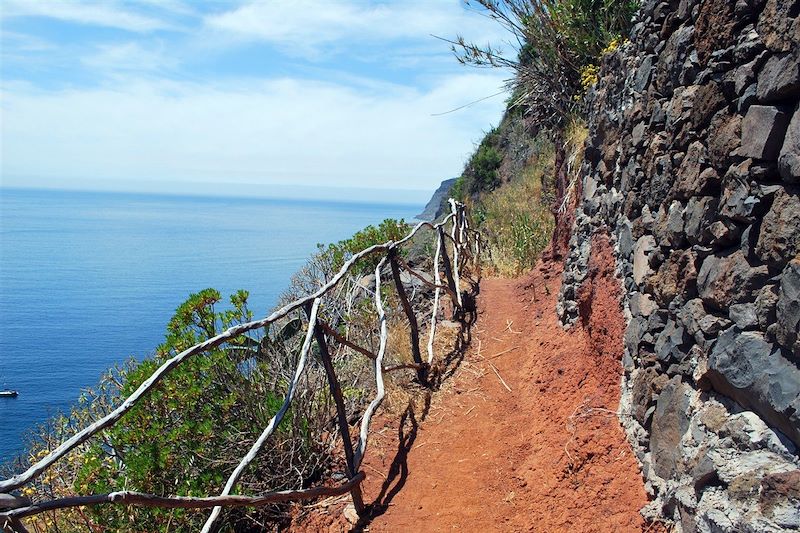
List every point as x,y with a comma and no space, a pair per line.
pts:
88,279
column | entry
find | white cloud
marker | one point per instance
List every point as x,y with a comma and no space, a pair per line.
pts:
129,57
348,127
277,131
107,14
308,27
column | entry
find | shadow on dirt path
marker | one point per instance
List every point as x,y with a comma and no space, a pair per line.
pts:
523,436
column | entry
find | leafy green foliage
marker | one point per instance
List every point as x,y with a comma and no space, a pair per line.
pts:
481,173
175,439
339,253
485,162
587,27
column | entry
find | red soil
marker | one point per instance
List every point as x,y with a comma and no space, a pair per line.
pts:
548,455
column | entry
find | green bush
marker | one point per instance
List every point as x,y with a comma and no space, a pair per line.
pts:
337,254
184,436
485,164
481,172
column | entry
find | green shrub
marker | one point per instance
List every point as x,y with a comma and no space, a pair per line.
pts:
340,252
184,436
481,172
485,164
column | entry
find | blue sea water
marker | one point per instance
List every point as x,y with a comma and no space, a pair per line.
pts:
88,279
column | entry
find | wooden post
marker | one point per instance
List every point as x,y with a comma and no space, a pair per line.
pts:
448,271
422,373
338,398
456,247
437,279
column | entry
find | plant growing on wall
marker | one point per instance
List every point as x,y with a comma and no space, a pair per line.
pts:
559,43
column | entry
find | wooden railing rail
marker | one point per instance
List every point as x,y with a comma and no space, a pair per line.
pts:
463,241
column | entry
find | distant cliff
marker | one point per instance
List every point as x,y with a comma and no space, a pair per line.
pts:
434,208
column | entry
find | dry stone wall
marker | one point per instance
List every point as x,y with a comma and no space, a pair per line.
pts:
693,170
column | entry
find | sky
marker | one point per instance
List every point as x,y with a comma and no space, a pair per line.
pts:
243,97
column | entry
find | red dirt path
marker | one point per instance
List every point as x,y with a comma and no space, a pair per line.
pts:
548,455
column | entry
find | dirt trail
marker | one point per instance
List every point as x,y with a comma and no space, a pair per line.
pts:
546,455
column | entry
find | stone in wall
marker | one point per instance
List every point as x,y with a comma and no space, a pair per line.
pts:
789,159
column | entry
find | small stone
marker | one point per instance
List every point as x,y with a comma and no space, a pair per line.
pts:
699,214
747,244
766,302
638,134
751,433
641,304
367,282
712,324
642,390
690,315
746,99
723,137
752,371
625,239
677,276
744,76
749,44
778,27
739,200
723,233
689,170
671,344
674,225
671,60
350,514
702,470
642,76
763,131
780,493
633,334
670,422
656,321
707,101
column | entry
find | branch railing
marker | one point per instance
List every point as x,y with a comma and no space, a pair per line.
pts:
465,245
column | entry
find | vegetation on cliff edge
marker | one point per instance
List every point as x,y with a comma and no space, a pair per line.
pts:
187,435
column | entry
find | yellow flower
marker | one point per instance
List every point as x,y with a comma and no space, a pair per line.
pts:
613,45
589,76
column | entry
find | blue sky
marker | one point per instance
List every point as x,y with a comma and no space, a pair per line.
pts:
235,97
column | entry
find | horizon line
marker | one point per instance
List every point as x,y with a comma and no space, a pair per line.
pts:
382,195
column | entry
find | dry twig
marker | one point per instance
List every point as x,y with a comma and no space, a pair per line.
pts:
500,377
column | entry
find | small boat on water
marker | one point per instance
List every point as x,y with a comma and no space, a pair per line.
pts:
7,393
